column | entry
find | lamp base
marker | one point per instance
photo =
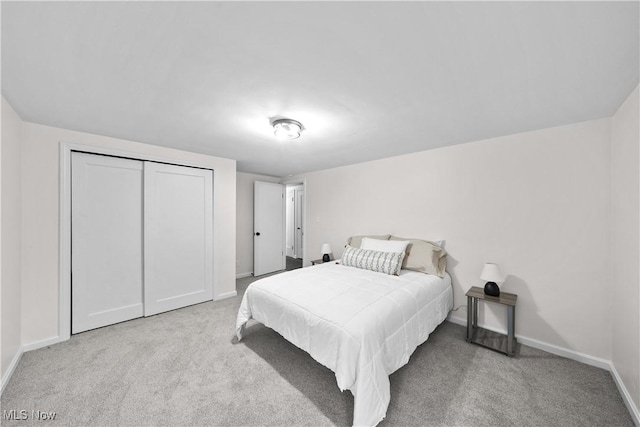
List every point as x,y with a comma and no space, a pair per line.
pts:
492,289
325,258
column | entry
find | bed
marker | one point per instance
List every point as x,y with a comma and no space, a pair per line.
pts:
361,324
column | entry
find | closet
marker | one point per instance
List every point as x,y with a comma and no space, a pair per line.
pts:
141,238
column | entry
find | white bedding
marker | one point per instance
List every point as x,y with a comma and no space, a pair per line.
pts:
360,324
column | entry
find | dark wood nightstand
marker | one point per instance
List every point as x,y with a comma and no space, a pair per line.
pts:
499,342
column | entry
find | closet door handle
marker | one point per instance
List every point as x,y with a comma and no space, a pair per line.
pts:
258,233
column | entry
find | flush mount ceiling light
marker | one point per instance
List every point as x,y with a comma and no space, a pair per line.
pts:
287,128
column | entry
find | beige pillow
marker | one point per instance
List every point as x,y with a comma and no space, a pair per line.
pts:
356,241
424,256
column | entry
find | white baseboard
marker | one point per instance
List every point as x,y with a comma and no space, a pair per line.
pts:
41,343
626,396
577,356
242,275
12,367
225,295
565,352
549,348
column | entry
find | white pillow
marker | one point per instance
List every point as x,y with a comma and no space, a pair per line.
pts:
384,245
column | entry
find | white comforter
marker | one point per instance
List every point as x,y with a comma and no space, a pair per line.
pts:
360,324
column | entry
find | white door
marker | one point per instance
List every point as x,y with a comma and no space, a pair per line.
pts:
106,239
299,203
178,238
290,223
268,228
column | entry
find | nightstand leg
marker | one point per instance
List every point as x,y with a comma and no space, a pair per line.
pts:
475,313
469,318
511,319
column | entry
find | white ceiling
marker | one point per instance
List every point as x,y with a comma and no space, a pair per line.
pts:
367,79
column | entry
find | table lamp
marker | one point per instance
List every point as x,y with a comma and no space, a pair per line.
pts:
326,250
491,273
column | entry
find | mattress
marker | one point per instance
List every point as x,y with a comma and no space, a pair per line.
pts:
361,324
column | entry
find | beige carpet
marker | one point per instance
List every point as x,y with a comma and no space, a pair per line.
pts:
181,368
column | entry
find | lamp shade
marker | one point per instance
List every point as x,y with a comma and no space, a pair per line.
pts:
491,273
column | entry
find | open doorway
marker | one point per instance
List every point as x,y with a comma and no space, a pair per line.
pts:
294,228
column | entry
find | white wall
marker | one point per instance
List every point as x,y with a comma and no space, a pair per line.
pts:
244,224
536,203
625,244
40,206
10,224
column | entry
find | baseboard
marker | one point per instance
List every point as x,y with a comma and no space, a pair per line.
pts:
577,356
42,343
12,367
461,322
565,352
225,295
549,348
242,275
626,396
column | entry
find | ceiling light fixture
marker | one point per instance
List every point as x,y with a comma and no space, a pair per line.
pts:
287,128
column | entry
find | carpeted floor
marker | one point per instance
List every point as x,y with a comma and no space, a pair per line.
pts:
185,368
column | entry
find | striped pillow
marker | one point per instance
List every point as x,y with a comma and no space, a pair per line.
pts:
367,259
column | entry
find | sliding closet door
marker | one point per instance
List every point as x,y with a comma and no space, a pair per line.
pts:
178,238
106,239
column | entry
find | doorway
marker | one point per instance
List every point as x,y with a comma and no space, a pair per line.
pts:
278,226
294,227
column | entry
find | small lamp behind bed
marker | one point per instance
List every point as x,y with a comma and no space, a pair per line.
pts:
326,250
492,274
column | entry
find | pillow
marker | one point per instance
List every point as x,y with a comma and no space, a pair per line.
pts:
424,256
382,262
384,245
355,241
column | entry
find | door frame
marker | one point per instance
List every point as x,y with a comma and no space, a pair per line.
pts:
64,275
301,181
295,189
289,208
299,220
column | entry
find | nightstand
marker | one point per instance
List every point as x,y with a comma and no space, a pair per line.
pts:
316,261
499,342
